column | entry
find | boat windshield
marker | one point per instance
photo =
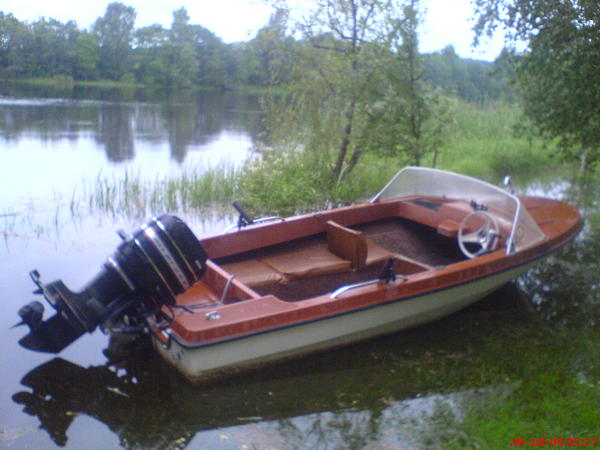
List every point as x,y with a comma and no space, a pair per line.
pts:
421,181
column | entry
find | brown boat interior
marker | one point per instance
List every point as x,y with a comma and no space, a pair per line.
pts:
317,264
317,254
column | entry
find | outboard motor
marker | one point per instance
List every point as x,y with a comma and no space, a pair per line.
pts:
161,260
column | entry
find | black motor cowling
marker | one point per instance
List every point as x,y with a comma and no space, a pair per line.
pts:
159,261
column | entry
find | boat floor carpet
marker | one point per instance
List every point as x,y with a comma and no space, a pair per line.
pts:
401,236
418,242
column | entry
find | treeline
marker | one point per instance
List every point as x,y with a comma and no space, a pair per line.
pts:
112,49
186,54
469,79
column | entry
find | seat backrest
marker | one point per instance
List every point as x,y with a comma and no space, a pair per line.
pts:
347,244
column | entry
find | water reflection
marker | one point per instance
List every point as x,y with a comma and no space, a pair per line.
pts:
565,288
391,392
118,127
53,149
115,132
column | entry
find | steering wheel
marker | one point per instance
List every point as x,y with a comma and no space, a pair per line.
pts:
486,236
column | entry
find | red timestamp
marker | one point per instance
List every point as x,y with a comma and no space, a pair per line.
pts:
554,442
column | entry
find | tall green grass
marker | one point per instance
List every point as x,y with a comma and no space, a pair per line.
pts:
192,189
491,139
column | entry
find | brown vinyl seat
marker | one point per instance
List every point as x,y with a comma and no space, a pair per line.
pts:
308,262
348,244
346,250
254,273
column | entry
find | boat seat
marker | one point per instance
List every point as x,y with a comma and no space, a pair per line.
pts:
346,250
254,273
448,228
308,262
353,245
347,244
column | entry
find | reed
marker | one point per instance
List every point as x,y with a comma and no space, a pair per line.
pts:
492,139
132,195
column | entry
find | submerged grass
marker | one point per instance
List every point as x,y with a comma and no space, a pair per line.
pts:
281,183
133,195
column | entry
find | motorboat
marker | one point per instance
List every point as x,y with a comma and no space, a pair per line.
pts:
430,243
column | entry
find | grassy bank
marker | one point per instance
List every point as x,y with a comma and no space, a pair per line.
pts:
69,82
556,395
486,141
129,82
491,139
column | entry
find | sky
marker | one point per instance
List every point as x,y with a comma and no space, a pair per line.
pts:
445,21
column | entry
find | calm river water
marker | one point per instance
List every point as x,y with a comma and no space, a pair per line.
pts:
397,392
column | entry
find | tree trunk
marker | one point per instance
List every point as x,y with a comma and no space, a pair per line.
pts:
345,144
583,160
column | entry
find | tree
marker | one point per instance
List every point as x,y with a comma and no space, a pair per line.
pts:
150,48
409,120
52,47
183,63
559,73
211,55
181,56
15,40
269,56
114,33
87,57
337,84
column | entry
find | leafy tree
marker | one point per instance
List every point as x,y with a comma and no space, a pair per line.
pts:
472,80
87,57
181,56
150,43
53,47
410,122
269,56
211,55
337,84
358,85
559,73
183,64
15,40
114,32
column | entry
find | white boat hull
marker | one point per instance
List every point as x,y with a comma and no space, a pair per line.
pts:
214,360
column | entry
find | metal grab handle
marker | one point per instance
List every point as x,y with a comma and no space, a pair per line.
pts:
339,291
387,276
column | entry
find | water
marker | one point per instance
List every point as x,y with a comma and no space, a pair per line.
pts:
404,391
55,144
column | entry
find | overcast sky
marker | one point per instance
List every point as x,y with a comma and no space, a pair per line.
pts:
446,21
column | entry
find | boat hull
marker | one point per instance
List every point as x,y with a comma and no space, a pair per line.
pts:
228,357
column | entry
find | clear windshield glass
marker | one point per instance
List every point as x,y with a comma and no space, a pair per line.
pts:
422,181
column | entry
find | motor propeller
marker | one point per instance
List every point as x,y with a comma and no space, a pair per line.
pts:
31,315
